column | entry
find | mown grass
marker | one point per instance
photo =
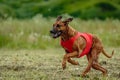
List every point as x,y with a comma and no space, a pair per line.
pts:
34,33
46,65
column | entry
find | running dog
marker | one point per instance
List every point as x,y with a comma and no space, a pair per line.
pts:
77,44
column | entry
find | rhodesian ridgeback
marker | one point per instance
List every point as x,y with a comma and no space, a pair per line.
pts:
78,44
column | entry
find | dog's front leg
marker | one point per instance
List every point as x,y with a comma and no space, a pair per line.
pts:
73,62
64,62
67,56
90,61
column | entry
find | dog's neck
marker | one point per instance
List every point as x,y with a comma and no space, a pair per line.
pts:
68,33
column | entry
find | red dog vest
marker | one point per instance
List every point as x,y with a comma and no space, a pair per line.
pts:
68,44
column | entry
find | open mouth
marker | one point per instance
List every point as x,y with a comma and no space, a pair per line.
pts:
55,34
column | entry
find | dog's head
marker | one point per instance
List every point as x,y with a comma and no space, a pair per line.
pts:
59,27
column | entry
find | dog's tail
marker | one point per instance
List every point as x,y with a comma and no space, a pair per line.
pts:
109,56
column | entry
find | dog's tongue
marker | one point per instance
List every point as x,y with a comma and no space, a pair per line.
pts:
55,35
59,33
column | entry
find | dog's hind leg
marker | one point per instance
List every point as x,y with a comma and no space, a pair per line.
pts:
100,68
95,64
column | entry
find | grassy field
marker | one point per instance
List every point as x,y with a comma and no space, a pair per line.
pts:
46,65
34,33
27,52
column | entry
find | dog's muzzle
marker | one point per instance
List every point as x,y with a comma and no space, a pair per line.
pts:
55,33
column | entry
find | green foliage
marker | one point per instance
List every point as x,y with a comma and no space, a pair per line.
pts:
85,9
30,34
4,40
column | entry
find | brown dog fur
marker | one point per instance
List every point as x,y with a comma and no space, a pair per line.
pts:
79,45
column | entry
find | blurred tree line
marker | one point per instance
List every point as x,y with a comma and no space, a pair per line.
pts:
84,9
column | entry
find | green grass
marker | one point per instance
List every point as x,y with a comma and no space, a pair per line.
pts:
34,33
46,65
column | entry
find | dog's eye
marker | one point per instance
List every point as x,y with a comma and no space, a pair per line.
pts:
53,24
57,25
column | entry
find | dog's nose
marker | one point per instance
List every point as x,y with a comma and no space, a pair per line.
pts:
51,31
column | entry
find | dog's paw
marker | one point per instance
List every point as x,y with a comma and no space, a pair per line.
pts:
83,75
64,67
77,63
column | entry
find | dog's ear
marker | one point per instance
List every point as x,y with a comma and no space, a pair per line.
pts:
59,18
67,21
